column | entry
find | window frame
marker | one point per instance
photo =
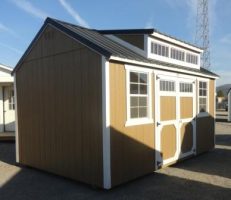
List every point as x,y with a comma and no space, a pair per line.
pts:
144,120
206,113
11,99
160,49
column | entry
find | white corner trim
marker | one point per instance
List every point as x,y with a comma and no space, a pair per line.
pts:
126,44
106,124
16,121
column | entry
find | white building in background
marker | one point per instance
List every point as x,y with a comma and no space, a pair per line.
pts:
229,105
7,105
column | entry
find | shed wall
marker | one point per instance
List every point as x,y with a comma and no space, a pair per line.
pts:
59,109
134,39
132,148
205,125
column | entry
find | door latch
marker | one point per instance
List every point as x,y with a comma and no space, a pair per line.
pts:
158,123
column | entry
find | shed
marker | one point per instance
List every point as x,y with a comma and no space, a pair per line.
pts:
107,106
7,113
229,105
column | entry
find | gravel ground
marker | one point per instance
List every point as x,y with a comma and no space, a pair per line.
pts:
204,177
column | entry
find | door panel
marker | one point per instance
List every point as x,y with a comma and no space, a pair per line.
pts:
167,108
186,137
186,107
168,141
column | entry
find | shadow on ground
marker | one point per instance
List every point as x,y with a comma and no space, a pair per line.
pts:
33,184
7,152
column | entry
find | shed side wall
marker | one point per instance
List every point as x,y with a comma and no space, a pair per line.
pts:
59,109
132,148
205,125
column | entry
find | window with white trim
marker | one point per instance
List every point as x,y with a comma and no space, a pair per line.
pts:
191,58
203,99
177,54
186,87
138,95
166,85
11,99
139,107
159,49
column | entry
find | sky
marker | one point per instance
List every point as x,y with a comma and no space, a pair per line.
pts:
20,20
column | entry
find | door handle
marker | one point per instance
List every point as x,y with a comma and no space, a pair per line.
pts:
158,123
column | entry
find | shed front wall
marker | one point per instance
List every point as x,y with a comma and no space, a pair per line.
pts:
132,147
59,109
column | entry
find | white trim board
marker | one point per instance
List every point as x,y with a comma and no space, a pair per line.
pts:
106,124
16,121
156,66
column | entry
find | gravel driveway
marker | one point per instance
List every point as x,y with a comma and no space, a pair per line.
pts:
204,177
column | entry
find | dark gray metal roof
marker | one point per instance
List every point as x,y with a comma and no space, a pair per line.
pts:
103,45
144,31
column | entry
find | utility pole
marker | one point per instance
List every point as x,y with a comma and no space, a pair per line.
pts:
202,32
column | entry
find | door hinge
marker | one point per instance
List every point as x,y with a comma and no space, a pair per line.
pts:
158,123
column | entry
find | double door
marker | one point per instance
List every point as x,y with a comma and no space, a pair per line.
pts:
175,118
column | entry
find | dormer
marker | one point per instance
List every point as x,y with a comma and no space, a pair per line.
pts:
158,46
168,49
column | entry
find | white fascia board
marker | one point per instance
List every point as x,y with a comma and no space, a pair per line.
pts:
156,66
6,68
177,42
5,79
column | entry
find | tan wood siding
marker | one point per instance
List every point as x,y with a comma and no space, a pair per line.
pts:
59,109
205,134
167,108
132,148
186,107
134,39
186,137
211,97
168,141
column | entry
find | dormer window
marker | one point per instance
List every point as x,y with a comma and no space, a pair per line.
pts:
177,54
190,58
159,49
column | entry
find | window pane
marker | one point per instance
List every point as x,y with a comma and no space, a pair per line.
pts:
134,101
143,89
134,112
143,112
134,77
133,88
142,101
143,78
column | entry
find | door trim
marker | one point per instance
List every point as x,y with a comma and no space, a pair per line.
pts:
176,77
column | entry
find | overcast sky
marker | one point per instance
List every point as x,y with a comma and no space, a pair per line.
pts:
21,19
